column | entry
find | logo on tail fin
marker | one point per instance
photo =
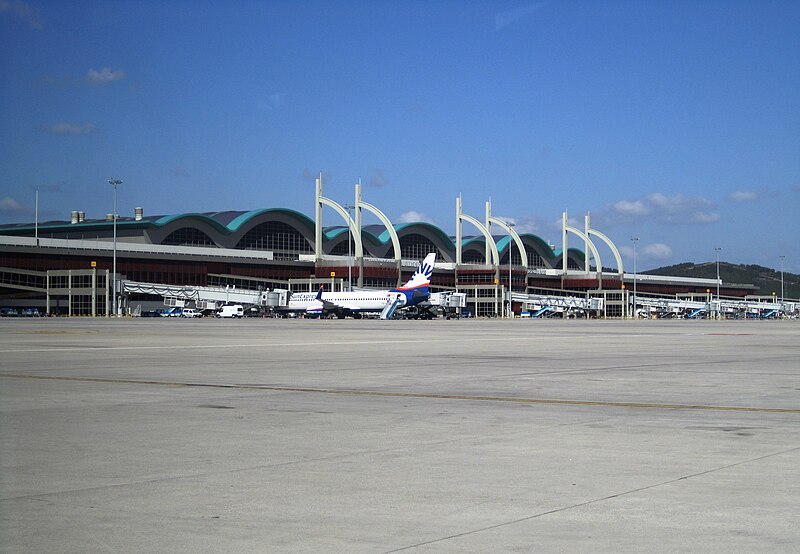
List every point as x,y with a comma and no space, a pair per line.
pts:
425,270
422,276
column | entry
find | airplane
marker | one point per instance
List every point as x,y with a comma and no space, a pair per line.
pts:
356,303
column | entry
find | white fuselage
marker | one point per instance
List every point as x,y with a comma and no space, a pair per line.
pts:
356,301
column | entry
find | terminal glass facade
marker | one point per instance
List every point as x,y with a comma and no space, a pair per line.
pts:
535,261
188,236
416,247
282,239
472,257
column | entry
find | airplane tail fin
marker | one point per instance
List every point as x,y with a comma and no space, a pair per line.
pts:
319,293
422,276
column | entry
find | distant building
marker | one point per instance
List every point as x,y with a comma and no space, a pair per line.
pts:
275,248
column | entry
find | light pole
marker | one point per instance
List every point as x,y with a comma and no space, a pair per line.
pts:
510,313
717,249
114,182
37,215
634,240
782,258
349,208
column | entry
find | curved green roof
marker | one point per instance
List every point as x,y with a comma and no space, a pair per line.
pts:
433,228
247,216
469,241
167,219
238,222
503,243
365,234
538,240
333,233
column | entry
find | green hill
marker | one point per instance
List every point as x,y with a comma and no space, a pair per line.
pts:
767,280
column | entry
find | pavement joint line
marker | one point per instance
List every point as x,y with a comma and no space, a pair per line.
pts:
593,501
424,395
333,457
248,345
204,474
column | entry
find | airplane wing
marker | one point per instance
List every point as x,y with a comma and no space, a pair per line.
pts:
328,305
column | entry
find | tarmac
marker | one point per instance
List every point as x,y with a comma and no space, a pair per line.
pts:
154,435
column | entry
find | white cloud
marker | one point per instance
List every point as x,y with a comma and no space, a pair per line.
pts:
653,251
23,11
743,196
65,128
676,204
9,205
105,76
657,251
414,217
676,210
628,208
703,217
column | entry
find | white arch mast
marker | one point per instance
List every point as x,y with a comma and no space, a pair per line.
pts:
510,230
355,233
589,246
460,217
398,255
611,245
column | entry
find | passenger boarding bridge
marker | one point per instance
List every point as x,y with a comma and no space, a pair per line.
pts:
208,297
594,305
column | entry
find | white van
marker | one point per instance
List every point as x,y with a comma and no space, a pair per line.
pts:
191,312
237,310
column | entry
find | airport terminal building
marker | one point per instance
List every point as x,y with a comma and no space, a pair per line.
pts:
276,248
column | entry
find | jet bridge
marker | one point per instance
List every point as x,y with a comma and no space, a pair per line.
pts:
694,309
542,304
209,297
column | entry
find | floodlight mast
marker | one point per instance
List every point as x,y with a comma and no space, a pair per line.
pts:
114,183
510,224
634,240
349,208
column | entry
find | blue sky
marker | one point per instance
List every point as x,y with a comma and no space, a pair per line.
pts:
675,122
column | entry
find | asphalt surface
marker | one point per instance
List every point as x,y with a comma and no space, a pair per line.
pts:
157,435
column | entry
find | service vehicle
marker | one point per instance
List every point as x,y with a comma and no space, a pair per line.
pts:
233,311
